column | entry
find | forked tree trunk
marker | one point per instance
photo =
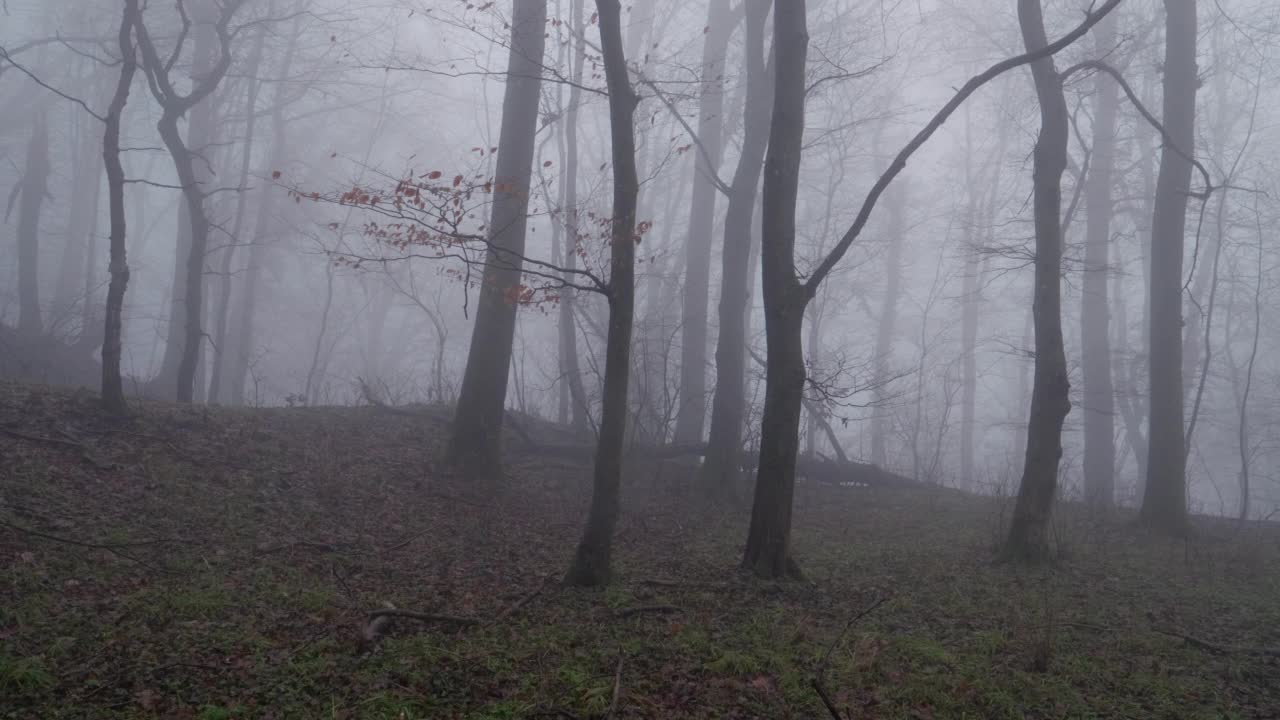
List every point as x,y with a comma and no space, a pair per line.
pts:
112,384
476,444
768,552
728,407
1029,530
1164,502
592,562
32,193
697,275
1095,340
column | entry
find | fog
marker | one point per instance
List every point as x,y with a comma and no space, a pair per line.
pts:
408,204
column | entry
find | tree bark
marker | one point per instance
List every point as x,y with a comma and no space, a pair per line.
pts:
1095,334
112,383
692,412
32,193
476,444
1029,530
592,562
720,469
768,551
1164,502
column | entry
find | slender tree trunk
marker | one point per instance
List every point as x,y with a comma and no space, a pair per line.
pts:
768,552
1164,502
33,191
223,312
476,444
566,322
112,383
896,200
693,348
82,223
592,563
1095,333
728,408
1029,529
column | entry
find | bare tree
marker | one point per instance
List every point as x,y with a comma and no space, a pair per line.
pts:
210,25
475,445
1028,532
702,208
1095,336
112,385
728,407
31,194
592,563
1164,503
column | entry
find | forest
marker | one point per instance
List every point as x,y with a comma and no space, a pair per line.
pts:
639,359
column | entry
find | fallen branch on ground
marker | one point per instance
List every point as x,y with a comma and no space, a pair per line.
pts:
522,601
642,609
1271,652
826,657
85,453
617,687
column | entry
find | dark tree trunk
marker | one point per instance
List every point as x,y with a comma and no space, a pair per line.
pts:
1164,502
112,384
592,561
1029,529
32,192
728,406
768,552
697,275
1095,340
476,444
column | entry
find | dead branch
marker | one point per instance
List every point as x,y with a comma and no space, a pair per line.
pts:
826,657
642,609
522,601
84,450
423,617
113,548
617,687
1217,649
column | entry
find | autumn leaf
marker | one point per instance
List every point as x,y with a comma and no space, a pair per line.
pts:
434,175
275,175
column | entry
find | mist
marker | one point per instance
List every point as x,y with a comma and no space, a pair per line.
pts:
687,301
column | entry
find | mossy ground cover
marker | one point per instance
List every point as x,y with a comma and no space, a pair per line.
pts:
221,563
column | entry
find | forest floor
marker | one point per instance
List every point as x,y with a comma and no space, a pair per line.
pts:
222,563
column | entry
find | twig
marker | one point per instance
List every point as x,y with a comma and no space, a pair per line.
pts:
521,602
1221,649
113,548
826,657
639,610
422,617
84,450
617,687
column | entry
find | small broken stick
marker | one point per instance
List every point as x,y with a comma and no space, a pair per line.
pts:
640,610
379,622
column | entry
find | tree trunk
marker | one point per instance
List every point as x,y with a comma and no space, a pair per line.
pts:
896,199
1164,502
77,253
33,190
693,345
566,321
1095,334
476,444
223,312
1029,530
768,552
728,407
592,564
112,383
